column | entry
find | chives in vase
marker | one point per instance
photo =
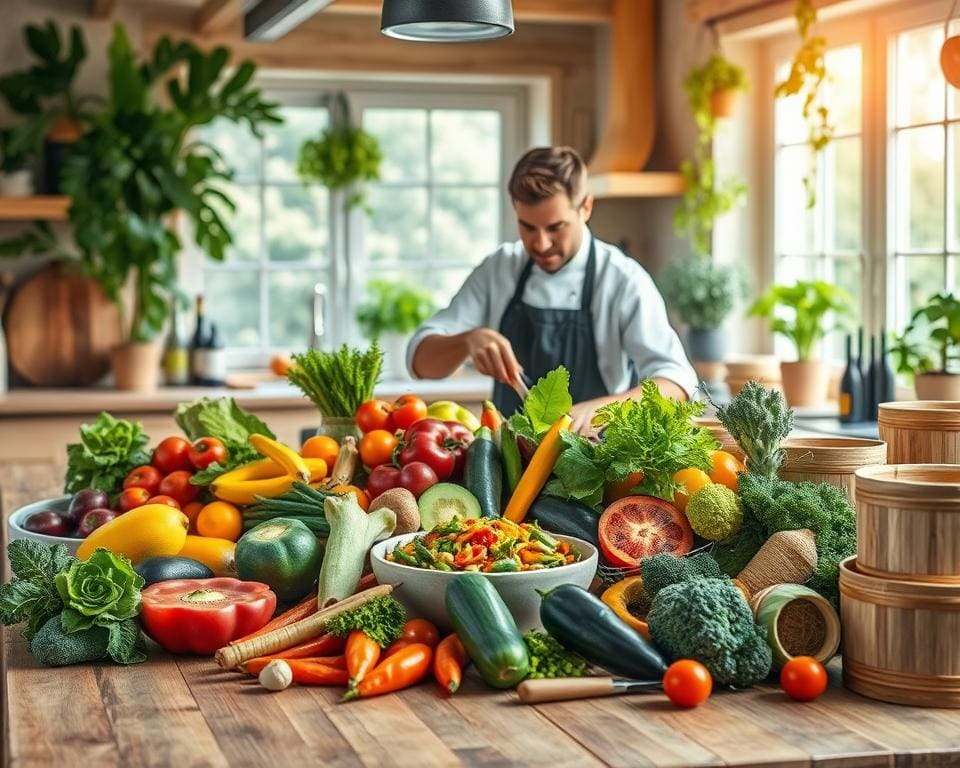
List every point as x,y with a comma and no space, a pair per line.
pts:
337,382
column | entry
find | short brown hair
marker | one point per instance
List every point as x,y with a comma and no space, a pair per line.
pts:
545,171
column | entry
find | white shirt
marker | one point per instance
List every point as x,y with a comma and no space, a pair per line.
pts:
629,316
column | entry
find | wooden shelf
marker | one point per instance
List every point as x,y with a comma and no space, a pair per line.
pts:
43,207
648,184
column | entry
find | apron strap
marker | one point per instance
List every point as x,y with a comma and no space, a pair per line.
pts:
586,300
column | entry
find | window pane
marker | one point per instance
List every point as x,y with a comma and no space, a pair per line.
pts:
847,274
283,141
397,231
955,192
291,307
790,269
465,145
243,222
844,88
796,224
790,126
296,223
402,134
920,83
920,188
233,299
465,223
844,196
442,283
239,147
918,278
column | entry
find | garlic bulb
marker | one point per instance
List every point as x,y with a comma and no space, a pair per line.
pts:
276,675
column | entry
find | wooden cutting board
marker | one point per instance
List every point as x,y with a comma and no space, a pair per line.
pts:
60,327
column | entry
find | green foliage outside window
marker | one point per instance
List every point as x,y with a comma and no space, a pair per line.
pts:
393,307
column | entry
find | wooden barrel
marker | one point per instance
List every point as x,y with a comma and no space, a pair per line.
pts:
900,639
720,434
830,459
908,522
921,431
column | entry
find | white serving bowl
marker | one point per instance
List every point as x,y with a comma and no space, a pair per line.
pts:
15,529
423,591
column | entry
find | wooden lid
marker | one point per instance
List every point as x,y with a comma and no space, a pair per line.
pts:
940,415
832,454
924,484
895,593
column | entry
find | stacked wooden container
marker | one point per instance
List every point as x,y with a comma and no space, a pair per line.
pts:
900,596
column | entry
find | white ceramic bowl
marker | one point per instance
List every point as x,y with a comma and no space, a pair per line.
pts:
423,591
15,529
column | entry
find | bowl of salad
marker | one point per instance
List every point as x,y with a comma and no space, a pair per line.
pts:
520,560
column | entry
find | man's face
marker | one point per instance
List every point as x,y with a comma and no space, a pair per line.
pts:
552,230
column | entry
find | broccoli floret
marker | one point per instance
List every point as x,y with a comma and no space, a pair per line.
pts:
714,512
758,419
550,659
708,620
52,647
665,569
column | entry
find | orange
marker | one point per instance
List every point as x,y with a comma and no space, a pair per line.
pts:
281,364
725,469
614,491
692,480
221,520
321,447
192,511
362,499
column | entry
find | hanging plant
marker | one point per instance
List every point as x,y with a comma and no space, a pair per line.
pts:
343,157
808,72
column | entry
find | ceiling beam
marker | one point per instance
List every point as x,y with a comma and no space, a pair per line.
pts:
102,9
555,11
215,15
758,11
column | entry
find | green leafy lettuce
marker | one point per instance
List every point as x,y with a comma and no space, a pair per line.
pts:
547,401
31,595
108,449
101,590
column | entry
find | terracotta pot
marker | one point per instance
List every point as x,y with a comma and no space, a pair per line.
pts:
937,386
136,365
805,382
722,102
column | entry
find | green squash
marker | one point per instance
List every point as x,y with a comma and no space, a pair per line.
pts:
282,553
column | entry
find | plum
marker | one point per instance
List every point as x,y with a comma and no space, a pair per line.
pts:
49,523
85,500
94,518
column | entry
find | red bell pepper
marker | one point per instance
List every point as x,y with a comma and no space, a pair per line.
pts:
201,615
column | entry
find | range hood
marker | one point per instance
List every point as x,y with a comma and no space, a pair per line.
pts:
615,168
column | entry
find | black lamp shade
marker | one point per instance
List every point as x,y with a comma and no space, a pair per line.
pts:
446,21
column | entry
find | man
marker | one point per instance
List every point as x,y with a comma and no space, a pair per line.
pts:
557,297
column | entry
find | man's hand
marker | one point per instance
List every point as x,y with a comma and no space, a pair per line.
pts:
492,355
582,414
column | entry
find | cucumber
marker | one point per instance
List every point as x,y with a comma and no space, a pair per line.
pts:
568,518
510,455
584,624
487,630
442,502
483,474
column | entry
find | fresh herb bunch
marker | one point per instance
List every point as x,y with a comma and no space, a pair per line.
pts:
547,401
550,659
108,449
653,435
700,291
381,619
759,420
337,382
31,595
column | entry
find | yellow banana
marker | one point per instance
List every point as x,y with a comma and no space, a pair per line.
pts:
253,470
291,461
318,469
245,491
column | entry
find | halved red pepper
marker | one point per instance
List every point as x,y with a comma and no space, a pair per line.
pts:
201,615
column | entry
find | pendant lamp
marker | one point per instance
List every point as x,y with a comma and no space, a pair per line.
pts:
446,21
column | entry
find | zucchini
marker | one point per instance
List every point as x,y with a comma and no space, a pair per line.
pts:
510,455
483,474
585,625
487,630
568,518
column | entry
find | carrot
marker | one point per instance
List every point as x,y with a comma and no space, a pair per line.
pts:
538,470
396,645
405,668
317,674
286,637
362,655
370,580
324,645
307,607
449,661
254,666
490,417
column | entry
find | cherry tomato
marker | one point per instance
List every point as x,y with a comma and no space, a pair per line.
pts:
147,477
206,451
220,520
381,479
321,447
416,477
169,501
363,498
376,447
420,631
171,455
407,410
692,480
132,498
687,683
177,484
725,469
373,414
803,678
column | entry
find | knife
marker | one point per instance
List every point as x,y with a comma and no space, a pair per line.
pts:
520,386
570,688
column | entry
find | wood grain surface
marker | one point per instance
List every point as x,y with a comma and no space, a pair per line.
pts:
830,459
921,431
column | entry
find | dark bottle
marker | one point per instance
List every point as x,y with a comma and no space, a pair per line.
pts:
201,341
883,380
861,360
869,385
851,388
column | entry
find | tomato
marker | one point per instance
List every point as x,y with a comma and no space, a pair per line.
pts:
416,477
381,479
321,447
636,527
692,480
281,364
407,410
178,485
376,447
361,495
373,414
725,469
171,455
420,631
192,511
687,683
147,477
220,520
442,445
132,498
614,491
206,451
170,502
803,678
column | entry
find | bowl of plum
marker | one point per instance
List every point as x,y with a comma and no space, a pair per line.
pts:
64,520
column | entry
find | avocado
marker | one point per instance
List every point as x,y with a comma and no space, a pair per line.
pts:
155,569
443,501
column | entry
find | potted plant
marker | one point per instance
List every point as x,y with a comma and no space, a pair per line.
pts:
701,293
15,177
929,348
714,86
392,313
798,312
137,166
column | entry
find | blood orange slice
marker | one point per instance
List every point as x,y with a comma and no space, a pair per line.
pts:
636,527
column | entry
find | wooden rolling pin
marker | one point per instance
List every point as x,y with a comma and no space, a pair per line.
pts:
570,688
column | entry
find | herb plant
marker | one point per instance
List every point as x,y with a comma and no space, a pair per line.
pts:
32,595
759,420
381,619
108,449
931,341
700,291
337,382
393,307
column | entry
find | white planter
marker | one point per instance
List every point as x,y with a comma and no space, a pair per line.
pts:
16,184
394,347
